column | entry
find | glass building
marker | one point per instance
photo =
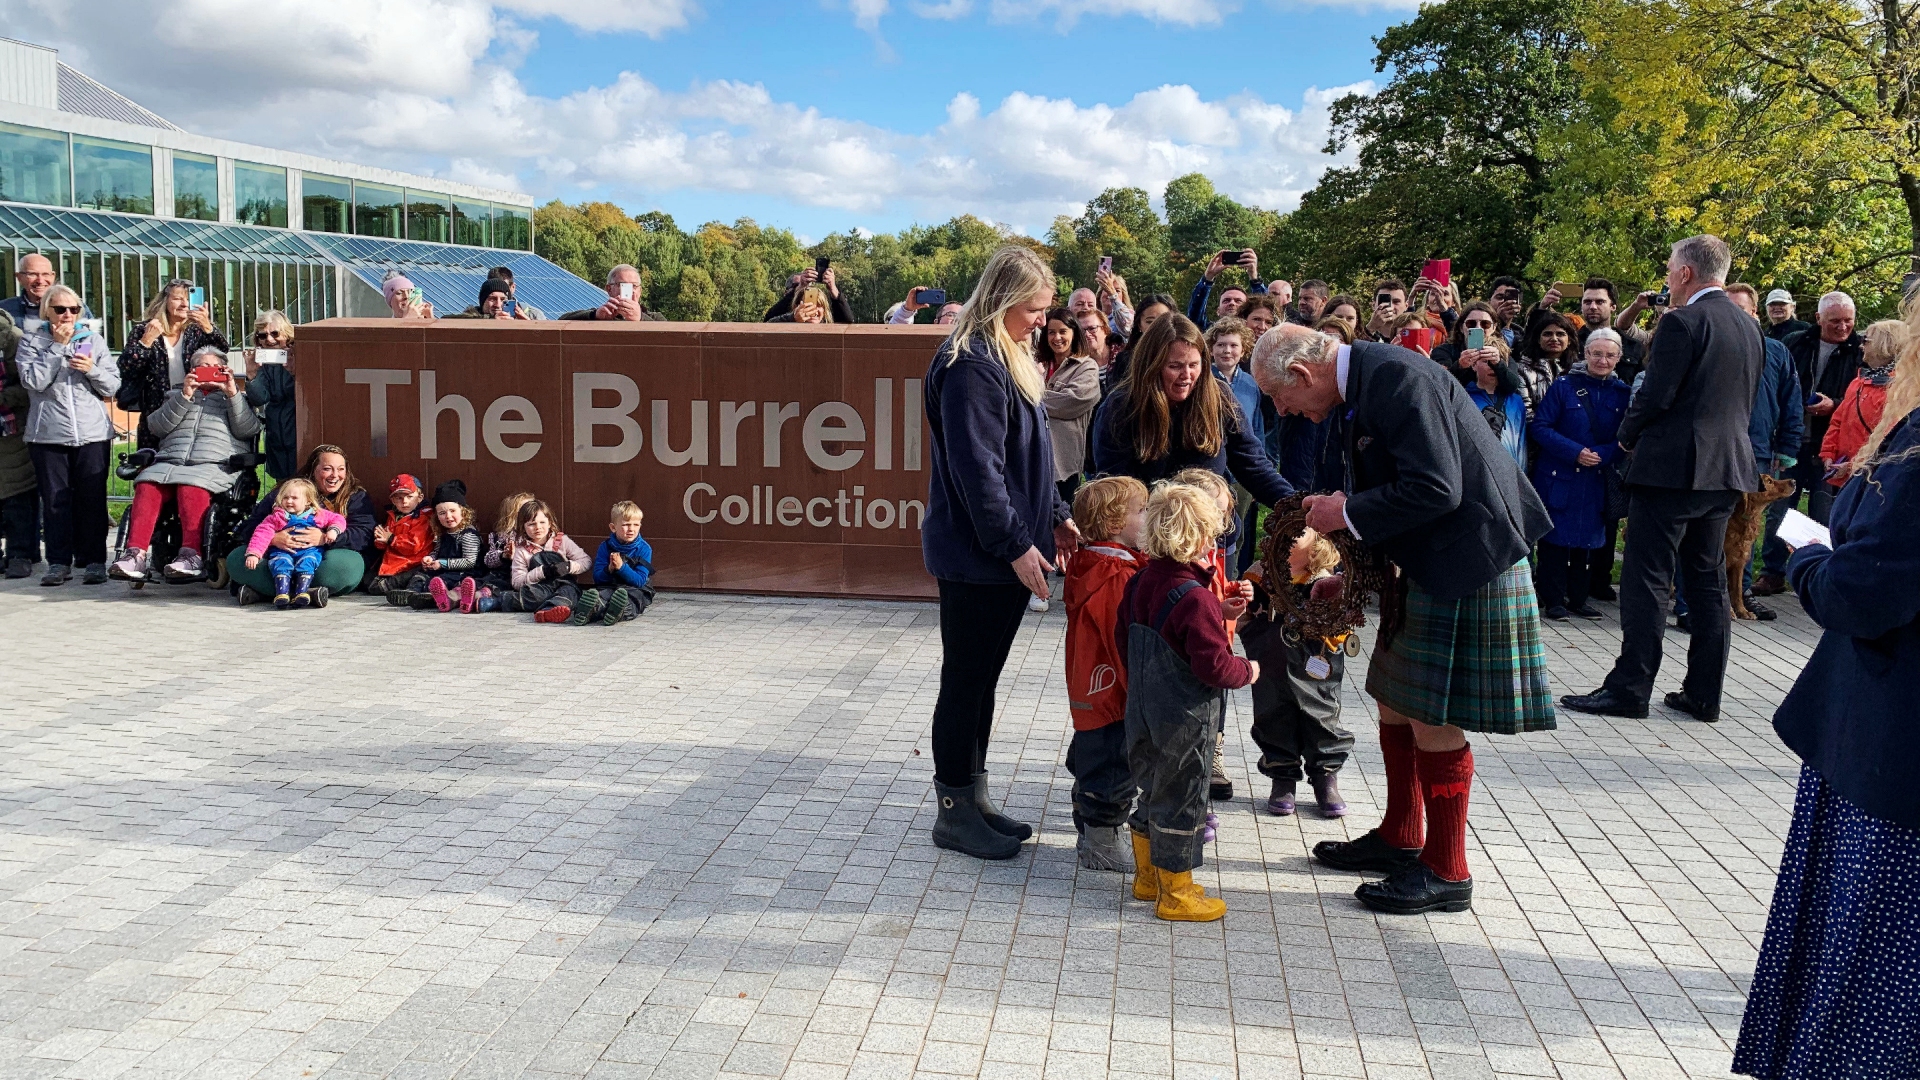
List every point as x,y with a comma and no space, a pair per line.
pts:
121,200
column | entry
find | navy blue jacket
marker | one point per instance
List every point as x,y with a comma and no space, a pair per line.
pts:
1854,713
991,495
1778,410
1578,412
1241,457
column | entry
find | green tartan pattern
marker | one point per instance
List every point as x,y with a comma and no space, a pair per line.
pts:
1477,663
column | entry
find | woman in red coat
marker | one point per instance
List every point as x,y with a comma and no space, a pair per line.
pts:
1866,396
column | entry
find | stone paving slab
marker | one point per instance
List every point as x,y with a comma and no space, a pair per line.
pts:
364,842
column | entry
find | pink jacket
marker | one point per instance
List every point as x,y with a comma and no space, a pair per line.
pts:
323,518
578,561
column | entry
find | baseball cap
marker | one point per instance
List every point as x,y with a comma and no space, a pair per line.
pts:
1779,296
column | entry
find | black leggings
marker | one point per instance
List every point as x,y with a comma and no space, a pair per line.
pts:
977,628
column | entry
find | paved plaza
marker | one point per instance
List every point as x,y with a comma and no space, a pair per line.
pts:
365,842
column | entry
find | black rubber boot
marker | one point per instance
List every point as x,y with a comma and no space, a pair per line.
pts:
996,820
961,828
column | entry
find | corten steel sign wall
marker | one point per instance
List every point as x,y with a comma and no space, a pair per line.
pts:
768,458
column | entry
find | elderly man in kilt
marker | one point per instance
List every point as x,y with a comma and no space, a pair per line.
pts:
1430,487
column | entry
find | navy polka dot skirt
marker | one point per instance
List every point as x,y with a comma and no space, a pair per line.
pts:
1838,981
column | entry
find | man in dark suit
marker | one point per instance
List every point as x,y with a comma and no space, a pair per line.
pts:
1429,486
1692,459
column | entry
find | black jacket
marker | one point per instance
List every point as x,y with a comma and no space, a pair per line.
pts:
1687,426
1845,363
272,391
1430,486
1781,331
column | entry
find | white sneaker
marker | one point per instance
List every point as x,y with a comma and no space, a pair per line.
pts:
131,567
1036,605
187,565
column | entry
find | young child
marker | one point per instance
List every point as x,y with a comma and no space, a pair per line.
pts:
404,537
446,576
1233,597
296,507
1296,716
1111,513
544,562
1180,663
496,563
622,570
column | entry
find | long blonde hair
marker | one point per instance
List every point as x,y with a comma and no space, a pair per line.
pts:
1903,395
1013,276
157,307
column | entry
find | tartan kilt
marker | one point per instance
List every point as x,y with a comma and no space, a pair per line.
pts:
1477,663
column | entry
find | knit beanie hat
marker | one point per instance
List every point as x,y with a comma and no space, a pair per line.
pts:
453,491
490,286
398,283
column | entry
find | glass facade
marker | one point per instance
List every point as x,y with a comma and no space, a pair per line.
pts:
512,228
260,194
109,175
326,203
378,210
429,217
33,166
196,187
472,223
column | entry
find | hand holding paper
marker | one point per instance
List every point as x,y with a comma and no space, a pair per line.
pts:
1797,530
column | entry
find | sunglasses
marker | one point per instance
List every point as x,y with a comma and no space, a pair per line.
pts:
267,335
62,309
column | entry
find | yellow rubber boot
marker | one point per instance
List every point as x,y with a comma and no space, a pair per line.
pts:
1146,879
1183,901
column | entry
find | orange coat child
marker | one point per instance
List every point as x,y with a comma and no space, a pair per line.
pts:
405,535
1111,514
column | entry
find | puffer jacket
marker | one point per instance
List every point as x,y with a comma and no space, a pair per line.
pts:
16,465
197,435
67,407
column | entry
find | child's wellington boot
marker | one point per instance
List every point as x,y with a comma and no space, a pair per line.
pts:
1183,901
1146,879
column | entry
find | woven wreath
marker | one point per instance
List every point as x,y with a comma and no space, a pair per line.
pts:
1316,618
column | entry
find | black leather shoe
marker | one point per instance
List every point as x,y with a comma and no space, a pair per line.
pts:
1769,585
991,814
960,827
1683,623
1369,854
1557,613
1605,702
1416,891
1606,594
1679,701
1586,612
1761,611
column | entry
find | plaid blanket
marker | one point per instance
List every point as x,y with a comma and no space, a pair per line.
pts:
1477,663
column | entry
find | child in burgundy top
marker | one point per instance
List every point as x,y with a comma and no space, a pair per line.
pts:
1180,663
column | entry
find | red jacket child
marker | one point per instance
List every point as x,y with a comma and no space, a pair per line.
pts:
407,528
1097,576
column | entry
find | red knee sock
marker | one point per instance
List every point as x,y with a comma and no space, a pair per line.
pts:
1406,821
1447,776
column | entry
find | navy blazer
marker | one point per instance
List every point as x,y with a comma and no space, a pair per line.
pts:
1854,713
1687,425
1429,485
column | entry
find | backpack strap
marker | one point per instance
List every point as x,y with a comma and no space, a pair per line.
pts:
1174,596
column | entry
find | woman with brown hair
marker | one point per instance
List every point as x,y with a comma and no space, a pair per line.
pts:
345,563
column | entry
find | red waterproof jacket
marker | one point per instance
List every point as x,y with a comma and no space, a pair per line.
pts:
412,541
1097,576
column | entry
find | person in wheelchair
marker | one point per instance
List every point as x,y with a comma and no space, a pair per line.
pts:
200,428
160,353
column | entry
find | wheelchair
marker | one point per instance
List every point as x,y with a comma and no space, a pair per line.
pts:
226,513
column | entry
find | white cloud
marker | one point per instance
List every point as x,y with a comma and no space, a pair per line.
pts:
435,91
650,17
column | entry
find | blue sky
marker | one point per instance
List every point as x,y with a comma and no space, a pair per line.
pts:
818,115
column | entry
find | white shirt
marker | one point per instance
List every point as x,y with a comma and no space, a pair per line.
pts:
1695,298
176,363
1342,365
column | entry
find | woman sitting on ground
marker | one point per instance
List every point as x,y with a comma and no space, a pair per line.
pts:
344,566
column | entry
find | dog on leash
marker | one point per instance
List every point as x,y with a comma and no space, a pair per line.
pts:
1742,530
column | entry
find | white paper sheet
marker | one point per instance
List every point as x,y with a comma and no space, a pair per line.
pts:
1797,530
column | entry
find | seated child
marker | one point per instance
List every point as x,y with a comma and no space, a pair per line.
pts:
1180,663
544,562
622,570
404,537
1233,596
1111,513
1296,708
296,507
446,576
497,562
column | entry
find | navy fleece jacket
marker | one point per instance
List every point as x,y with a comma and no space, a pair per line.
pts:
636,563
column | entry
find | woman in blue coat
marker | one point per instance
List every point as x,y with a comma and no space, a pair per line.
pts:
1838,977
1576,427
994,522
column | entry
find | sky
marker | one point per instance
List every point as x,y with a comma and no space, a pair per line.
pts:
814,115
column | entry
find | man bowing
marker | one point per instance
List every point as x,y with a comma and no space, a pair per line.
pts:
1429,487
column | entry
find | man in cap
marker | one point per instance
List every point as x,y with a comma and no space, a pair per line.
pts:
1780,321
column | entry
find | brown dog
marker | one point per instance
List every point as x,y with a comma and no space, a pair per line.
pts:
1742,530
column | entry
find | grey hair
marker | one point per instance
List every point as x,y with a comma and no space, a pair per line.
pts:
205,349
1707,254
1835,298
1284,346
1606,333
620,267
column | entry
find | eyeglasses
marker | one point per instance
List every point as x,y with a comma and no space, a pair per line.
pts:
62,309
